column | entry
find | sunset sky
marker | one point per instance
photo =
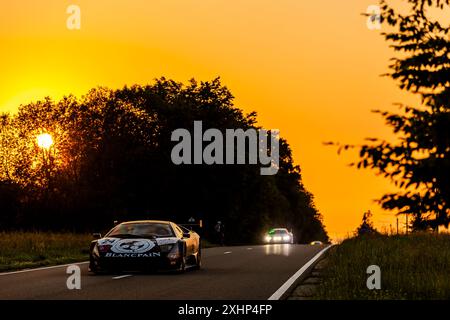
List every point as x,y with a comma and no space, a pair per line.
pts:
309,68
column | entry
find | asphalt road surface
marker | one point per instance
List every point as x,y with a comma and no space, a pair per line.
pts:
244,272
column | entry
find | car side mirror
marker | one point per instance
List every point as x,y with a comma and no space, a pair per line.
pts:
186,235
97,235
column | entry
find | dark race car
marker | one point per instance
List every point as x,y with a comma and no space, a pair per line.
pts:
146,245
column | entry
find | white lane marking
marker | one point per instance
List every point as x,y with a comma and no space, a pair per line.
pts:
43,268
121,277
249,248
227,252
285,287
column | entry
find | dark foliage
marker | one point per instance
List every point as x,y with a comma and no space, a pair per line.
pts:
111,160
418,162
366,227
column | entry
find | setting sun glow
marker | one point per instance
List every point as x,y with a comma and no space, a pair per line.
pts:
44,141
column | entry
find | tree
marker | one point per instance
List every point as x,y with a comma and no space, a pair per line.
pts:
366,226
418,163
112,161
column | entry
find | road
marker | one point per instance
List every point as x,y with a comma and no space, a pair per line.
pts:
244,272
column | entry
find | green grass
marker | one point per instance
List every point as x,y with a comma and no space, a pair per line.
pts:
19,250
416,266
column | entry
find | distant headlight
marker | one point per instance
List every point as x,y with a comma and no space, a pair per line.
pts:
268,238
286,238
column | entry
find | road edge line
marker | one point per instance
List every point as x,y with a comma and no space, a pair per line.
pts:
291,281
122,276
42,268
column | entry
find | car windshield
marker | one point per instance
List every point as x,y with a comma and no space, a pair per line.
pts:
277,232
144,230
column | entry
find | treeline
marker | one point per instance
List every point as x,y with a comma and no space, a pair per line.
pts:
111,160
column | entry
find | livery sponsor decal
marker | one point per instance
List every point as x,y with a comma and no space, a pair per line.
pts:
133,255
163,241
107,241
132,246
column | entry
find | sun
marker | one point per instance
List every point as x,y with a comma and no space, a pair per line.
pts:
44,141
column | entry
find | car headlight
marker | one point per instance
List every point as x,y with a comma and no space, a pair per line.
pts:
268,238
95,250
286,238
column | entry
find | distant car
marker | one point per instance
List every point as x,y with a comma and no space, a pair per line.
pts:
145,245
316,243
279,235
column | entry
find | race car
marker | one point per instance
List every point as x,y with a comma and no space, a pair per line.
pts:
145,245
279,235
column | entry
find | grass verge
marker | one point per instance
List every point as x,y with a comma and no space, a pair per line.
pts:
412,267
20,250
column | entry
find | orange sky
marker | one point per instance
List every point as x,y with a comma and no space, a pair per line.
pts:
309,68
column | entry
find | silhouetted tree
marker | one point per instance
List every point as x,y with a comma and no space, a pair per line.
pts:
111,160
366,226
418,163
